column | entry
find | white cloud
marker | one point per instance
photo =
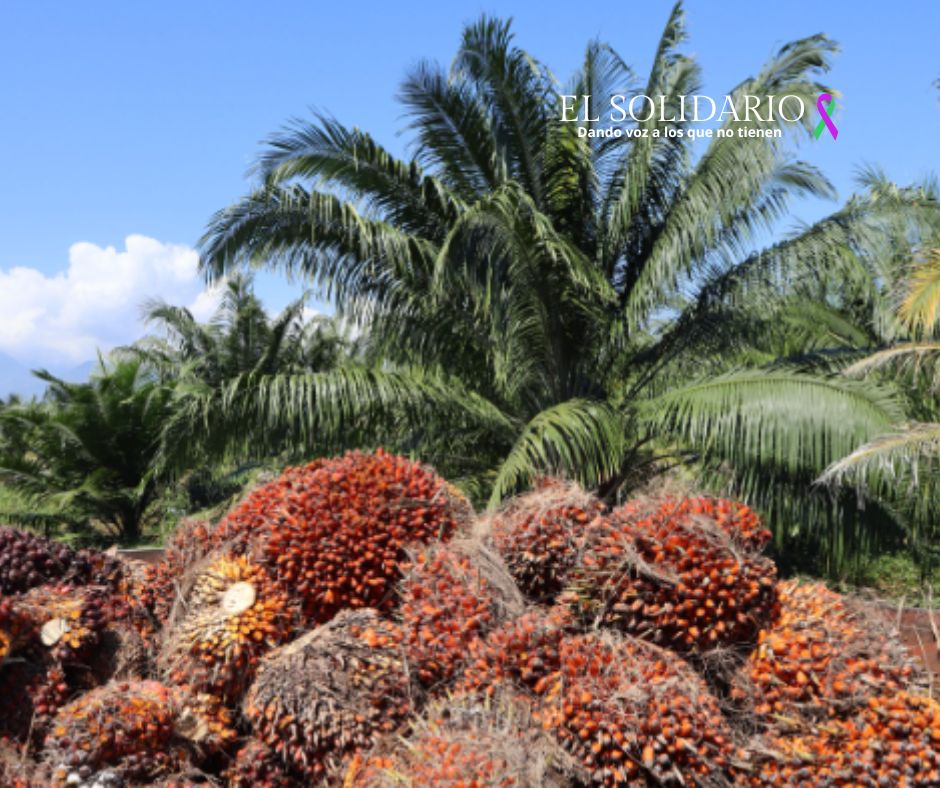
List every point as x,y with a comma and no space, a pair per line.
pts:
96,302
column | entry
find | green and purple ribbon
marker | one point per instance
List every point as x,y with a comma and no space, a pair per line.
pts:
825,104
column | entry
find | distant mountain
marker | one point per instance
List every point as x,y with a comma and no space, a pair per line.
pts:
15,378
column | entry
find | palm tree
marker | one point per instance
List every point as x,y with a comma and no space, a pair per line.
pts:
538,300
240,339
902,466
82,457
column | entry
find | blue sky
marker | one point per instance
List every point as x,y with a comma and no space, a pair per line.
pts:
140,119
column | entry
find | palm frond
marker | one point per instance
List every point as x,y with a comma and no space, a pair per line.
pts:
580,439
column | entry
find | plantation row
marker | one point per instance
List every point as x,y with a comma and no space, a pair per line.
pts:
355,623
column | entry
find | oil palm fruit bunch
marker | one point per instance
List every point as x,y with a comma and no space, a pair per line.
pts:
158,586
737,520
634,714
336,534
30,694
233,614
892,740
822,657
522,652
469,742
331,693
256,766
540,535
125,726
15,627
451,595
68,621
675,578
28,560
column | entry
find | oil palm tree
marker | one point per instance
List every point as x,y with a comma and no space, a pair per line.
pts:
902,466
540,300
82,457
239,340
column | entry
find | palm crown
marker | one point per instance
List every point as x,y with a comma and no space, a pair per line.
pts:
536,300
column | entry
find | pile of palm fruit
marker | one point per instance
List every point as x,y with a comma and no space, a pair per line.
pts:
354,623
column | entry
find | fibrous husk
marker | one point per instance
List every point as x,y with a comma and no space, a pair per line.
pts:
18,770
452,595
634,714
678,577
232,614
469,740
823,657
540,536
330,693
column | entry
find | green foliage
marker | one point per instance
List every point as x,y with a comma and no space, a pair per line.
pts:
537,301
82,458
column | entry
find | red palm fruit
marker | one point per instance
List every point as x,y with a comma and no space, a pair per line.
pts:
540,534
330,694
126,726
335,532
256,766
823,656
233,615
676,578
469,742
891,740
522,652
741,523
634,714
450,596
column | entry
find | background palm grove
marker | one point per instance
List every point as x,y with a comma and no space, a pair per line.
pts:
516,300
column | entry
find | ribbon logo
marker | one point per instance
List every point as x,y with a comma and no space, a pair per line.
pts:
825,104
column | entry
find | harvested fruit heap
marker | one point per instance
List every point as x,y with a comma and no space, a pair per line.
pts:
467,742
680,577
540,534
330,693
452,595
366,636
633,714
125,724
820,659
892,740
232,616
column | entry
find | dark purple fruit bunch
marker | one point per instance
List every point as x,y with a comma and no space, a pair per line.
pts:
28,560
